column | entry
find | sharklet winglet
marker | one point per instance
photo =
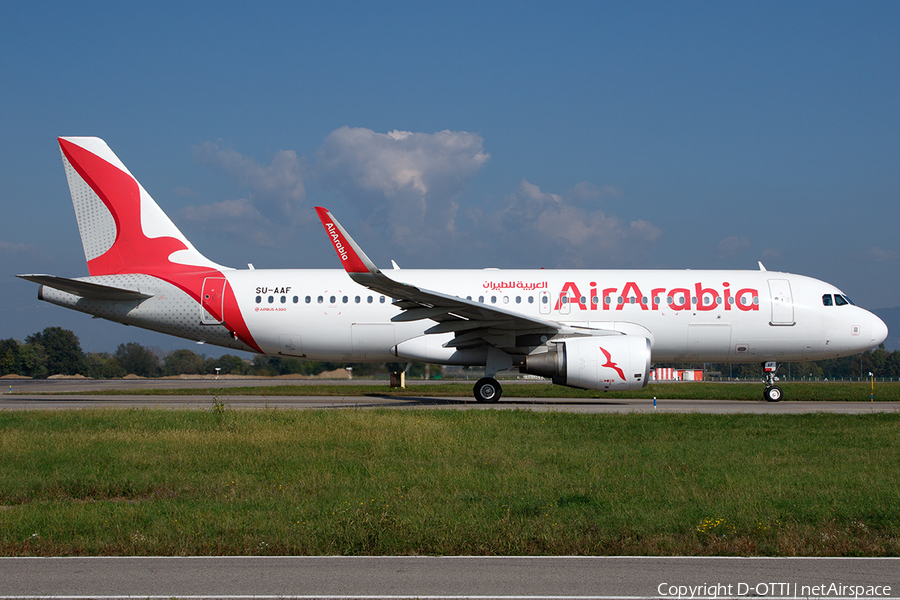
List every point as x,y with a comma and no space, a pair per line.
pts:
351,255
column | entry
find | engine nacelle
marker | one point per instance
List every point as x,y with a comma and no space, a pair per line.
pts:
615,362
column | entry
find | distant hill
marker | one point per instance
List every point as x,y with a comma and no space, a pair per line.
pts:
891,318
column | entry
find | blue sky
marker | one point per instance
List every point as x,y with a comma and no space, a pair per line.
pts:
463,134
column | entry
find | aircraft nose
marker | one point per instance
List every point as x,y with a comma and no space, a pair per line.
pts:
879,331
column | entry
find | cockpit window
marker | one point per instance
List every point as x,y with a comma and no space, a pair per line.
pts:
840,300
826,300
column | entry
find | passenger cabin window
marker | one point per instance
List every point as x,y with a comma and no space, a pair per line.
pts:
826,300
258,299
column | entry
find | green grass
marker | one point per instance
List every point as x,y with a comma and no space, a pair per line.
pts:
673,391
361,482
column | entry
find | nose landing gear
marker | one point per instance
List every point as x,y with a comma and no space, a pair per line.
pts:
772,392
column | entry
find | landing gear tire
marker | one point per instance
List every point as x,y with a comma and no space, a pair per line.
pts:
487,390
772,394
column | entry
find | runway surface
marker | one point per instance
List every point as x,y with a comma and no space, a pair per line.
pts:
56,402
64,394
622,578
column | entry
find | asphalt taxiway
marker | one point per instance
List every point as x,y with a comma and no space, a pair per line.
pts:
59,402
77,394
620,578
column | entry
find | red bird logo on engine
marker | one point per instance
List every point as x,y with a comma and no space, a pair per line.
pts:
609,363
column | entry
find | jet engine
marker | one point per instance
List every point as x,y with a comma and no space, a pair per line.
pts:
615,362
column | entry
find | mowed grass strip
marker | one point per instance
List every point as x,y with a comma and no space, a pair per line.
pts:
805,391
383,482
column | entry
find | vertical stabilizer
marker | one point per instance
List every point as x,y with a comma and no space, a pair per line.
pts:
122,228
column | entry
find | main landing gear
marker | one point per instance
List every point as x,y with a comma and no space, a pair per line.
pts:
487,389
772,393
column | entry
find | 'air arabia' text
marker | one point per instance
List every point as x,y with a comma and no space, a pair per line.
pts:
699,297
336,240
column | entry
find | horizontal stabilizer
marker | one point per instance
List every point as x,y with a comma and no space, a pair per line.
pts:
86,289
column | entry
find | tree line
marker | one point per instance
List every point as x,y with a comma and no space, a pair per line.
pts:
57,351
879,362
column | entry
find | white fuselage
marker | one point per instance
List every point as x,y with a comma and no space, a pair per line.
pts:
722,316
709,316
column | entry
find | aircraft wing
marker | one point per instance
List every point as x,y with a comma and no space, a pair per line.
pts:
473,323
86,289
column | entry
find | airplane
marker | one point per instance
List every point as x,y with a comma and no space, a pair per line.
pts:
590,329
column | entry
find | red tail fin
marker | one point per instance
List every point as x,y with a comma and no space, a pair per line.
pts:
122,229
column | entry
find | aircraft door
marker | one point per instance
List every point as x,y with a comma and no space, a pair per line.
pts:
212,301
782,302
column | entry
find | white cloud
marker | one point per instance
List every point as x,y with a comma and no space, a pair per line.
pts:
238,217
14,247
271,208
568,234
408,181
276,190
876,254
410,186
733,246
588,192
184,192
